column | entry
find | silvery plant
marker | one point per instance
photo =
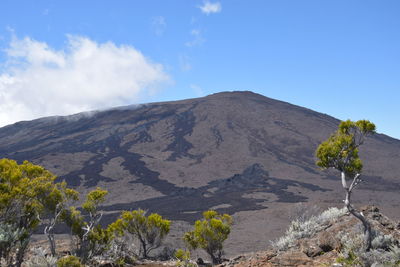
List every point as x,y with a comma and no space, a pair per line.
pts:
41,258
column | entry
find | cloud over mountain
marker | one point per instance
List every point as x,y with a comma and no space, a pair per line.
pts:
38,80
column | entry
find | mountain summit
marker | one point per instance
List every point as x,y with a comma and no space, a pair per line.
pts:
236,152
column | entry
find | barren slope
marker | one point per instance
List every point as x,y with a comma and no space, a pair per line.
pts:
237,152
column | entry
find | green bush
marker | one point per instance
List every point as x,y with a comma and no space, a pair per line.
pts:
183,257
69,261
148,230
29,196
89,237
209,234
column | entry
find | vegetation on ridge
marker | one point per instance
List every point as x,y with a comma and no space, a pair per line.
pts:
30,197
340,152
340,239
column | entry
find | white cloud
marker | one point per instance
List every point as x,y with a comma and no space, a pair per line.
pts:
159,25
209,7
40,81
197,38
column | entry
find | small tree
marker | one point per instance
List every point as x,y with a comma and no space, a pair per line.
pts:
340,152
209,234
55,199
90,238
149,230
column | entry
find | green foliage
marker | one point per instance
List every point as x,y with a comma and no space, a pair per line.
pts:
90,238
100,240
27,194
210,233
55,198
21,188
74,219
181,254
94,199
149,230
183,257
340,151
69,261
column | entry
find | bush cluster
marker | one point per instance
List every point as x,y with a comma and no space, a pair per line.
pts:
30,197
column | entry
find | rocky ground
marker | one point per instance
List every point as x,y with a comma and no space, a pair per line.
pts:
322,249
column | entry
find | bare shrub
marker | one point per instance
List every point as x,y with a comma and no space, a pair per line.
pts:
301,229
384,250
41,258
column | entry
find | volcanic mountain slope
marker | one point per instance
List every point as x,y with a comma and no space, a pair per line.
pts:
236,152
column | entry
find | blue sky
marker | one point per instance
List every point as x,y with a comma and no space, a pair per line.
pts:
338,57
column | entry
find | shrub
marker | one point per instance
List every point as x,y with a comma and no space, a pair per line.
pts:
303,212
183,257
384,250
166,253
9,237
148,230
382,241
69,261
40,258
209,234
27,194
121,250
394,252
302,229
90,239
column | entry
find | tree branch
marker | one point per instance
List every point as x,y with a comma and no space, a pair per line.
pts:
355,182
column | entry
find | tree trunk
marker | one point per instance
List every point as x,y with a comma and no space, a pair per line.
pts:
50,236
21,252
354,212
144,247
52,244
216,259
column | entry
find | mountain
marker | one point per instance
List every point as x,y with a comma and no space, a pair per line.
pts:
237,152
